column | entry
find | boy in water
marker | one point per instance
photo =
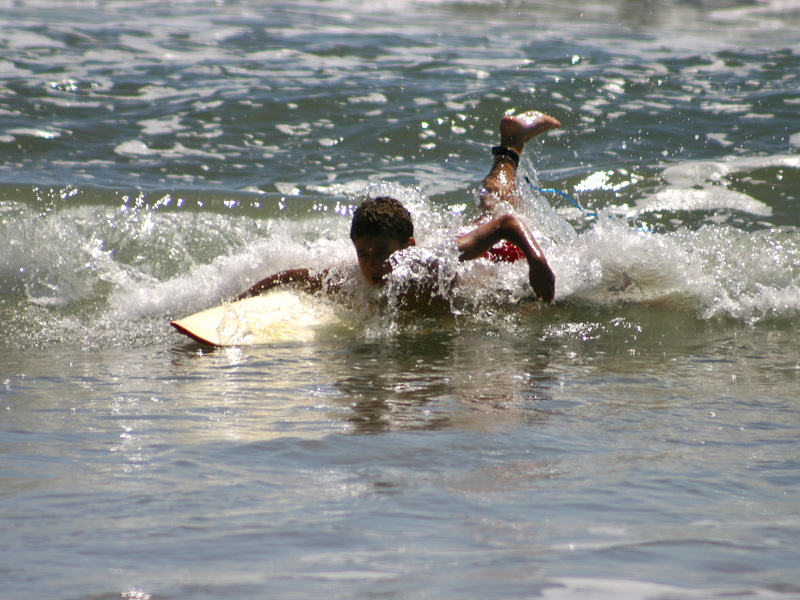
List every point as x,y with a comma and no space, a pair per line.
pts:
382,226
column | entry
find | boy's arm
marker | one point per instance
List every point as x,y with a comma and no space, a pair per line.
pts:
508,227
302,278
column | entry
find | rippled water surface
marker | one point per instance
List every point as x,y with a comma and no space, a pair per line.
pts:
637,439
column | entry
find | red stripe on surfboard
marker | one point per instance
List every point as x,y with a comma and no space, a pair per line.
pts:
192,335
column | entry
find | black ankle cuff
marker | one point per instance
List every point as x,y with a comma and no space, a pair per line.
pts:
506,152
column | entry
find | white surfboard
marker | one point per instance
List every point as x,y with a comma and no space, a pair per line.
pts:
277,316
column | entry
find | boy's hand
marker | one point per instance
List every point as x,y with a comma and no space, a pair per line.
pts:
542,280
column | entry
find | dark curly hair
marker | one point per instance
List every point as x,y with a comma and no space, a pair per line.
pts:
382,216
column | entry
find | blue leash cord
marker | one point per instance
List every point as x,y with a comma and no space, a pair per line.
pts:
643,228
555,191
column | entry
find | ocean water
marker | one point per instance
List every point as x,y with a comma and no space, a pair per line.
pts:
638,439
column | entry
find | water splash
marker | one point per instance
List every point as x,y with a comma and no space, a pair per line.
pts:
111,272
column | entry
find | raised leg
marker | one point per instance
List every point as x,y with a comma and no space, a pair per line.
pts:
515,131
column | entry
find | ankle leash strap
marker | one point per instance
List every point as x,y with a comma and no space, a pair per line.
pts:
507,153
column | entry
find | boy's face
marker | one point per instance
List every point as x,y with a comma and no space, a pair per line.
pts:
373,255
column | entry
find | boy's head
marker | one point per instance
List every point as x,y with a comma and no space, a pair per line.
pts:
380,227
382,216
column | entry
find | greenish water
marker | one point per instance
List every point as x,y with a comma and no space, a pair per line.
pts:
637,439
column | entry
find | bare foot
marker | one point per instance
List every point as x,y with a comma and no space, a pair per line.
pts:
516,130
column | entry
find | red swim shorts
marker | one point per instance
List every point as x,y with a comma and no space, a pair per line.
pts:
503,252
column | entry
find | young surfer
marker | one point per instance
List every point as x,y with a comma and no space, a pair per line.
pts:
382,227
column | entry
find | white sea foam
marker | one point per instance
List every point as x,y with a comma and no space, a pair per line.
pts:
161,126
372,98
45,134
711,197
139,148
694,172
141,261
706,186
589,588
